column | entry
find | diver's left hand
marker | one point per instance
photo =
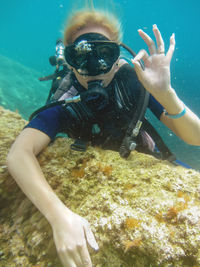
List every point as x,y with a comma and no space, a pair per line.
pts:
156,75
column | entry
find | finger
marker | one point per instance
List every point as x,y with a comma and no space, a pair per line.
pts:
150,43
159,40
90,237
85,256
171,48
76,257
142,55
139,70
67,260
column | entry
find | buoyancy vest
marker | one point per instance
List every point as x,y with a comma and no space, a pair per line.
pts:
107,128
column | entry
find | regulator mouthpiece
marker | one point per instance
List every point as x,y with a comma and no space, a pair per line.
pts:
96,96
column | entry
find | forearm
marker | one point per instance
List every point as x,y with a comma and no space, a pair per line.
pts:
186,127
25,169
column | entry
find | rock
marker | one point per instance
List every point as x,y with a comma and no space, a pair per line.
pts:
143,211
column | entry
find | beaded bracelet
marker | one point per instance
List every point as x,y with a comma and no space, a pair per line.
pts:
177,116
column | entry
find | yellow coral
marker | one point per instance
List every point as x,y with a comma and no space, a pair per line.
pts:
107,170
131,223
159,217
78,173
172,213
128,244
184,195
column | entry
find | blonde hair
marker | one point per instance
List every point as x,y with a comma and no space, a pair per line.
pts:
91,17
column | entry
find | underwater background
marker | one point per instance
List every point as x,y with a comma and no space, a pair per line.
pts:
30,28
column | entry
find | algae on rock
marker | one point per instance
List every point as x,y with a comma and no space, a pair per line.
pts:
143,212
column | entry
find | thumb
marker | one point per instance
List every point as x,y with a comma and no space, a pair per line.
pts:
138,69
90,237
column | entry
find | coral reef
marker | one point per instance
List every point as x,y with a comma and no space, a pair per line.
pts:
144,212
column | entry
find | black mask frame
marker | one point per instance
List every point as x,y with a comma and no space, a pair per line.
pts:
92,58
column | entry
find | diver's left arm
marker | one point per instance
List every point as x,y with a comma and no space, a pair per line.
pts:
156,79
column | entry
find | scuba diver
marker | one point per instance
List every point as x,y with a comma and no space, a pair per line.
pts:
95,102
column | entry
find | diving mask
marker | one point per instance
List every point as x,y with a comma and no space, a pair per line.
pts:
92,54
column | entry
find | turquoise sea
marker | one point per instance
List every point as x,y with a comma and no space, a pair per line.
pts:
29,29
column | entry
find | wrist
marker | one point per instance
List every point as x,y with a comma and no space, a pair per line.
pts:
176,116
171,102
55,209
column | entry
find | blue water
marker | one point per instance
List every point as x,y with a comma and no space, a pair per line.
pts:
29,29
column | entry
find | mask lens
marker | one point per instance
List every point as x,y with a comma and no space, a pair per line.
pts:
108,52
74,57
92,58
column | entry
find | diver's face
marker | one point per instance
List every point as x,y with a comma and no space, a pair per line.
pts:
106,78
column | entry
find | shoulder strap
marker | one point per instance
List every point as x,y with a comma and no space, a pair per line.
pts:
64,86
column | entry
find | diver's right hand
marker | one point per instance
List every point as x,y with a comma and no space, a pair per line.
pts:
71,234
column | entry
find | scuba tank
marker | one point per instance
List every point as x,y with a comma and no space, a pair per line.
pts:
57,60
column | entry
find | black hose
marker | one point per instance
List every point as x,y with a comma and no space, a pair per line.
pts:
83,97
129,139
